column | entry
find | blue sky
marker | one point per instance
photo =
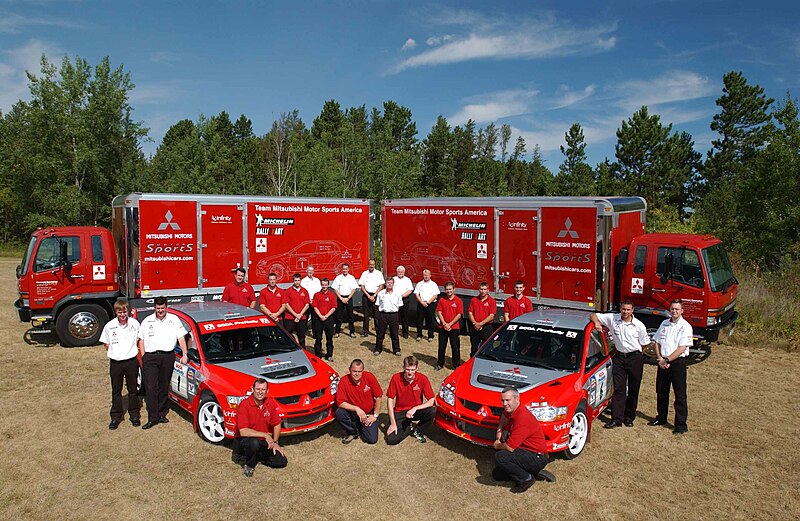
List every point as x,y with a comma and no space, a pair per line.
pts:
537,65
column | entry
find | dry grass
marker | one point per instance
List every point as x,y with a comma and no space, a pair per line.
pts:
59,460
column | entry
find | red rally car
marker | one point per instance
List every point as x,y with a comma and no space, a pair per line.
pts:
557,360
231,345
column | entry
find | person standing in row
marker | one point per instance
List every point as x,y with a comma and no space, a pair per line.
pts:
312,285
405,287
481,312
158,335
371,282
239,291
449,310
270,299
323,309
629,335
390,305
345,286
120,336
426,293
518,304
297,303
673,340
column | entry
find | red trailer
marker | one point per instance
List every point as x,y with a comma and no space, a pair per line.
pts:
585,253
184,247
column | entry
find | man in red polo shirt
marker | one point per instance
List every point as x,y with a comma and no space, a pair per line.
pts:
323,308
256,416
297,303
271,299
450,309
521,449
359,400
480,313
410,400
239,291
518,304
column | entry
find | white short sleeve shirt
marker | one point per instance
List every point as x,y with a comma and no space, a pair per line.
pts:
344,284
371,280
426,290
389,302
121,340
673,335
312,285
402,285
161,335
628,336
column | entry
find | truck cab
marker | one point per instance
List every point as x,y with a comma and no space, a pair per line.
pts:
662,267
66,278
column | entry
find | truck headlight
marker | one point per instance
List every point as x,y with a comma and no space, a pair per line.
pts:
334,384
548,413
448,394
234,401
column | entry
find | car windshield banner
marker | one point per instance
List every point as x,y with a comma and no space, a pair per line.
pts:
238,323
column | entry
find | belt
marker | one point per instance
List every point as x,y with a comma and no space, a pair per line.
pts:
389,312
620,353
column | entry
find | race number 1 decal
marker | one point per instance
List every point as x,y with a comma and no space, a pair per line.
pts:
178,384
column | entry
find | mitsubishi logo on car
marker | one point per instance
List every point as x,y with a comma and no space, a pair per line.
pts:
483,412
567,231
168,222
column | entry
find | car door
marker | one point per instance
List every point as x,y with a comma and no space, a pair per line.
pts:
597,372
183,384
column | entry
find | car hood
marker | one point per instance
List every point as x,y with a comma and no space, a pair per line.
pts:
279,368
491,375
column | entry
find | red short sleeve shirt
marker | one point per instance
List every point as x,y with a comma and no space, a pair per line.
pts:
243,294
481,309
526,433
515,307
407,394
272,300
324,302
449,308
362,394
296,298
251,416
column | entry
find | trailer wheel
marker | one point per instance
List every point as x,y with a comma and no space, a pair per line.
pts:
80,325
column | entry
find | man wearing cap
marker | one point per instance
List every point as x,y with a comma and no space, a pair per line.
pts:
239,291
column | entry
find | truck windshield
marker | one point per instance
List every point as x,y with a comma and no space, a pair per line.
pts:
26,260
537,346
244,343
719,269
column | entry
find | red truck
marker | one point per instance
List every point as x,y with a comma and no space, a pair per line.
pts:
586,253
184,247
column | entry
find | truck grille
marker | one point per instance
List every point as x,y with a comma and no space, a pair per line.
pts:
475,407
286,373
292,400
308,419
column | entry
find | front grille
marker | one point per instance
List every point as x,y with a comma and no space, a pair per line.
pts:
292,400
302,421
286,373
475,407
501,382
485,433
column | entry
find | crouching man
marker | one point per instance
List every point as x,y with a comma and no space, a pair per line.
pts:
521,452
410,399
254,443
359,400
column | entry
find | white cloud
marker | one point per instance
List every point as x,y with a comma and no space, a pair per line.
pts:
673,86
156,92
410,44
527,39
12,23
494,106
569,97
14,63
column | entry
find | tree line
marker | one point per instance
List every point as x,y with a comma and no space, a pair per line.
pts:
76,144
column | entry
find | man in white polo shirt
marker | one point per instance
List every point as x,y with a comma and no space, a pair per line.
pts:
312,285
371,282
158,335
389,303
120,336
345,286
629,336
426,292
673,340
405,288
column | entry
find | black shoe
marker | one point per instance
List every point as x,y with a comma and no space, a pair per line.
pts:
149,424
418,338
318,355
348,438
114,424
628,423
519,488
136,422
352,334
612,425
376,353
437,368
336,335
680,430
247,471
546,475
405,336
656,422
420,437
396,353
364,335
430,339
163,420
329,358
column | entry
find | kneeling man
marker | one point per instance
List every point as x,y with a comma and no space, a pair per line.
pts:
255,417
359,400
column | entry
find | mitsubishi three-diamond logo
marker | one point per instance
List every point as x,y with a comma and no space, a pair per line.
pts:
567,231
174,226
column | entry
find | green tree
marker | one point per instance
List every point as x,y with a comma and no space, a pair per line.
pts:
575,176
438,173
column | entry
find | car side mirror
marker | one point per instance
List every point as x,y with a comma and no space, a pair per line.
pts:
193,355
19,270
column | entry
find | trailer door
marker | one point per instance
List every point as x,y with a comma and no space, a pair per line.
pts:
222,243
518,250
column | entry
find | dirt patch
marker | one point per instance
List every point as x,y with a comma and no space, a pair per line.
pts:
738,460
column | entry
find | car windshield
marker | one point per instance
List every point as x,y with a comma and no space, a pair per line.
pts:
537,346
719,269
244,343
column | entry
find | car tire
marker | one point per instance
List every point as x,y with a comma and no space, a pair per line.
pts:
81,325
578,433
210,420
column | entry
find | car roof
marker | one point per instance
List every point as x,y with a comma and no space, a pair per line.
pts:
562,318
208,311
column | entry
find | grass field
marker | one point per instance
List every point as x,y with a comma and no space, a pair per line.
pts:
60,461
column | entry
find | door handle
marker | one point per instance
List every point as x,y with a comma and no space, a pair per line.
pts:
656,290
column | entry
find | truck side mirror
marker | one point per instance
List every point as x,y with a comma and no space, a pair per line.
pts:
64,256
622,258
19,270
669,266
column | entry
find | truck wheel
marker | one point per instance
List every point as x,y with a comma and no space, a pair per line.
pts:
578,434
80,325
210,422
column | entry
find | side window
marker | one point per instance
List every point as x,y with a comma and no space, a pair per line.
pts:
49,252
638,262
97,249
595,352
686,266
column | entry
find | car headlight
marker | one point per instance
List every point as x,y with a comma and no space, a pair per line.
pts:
448,394
548,413
234,401
334,384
